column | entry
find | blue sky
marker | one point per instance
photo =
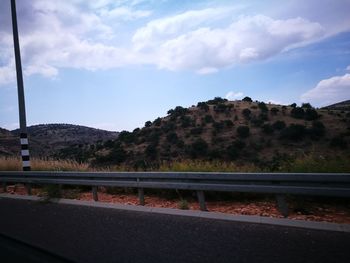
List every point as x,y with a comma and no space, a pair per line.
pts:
116,64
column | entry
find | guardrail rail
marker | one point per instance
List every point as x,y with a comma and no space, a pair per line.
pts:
280,184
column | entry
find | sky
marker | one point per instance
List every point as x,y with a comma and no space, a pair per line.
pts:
115,64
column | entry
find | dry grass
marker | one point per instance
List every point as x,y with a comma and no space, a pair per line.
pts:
305,164
14,164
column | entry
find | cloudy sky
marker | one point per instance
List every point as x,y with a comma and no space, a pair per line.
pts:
116,64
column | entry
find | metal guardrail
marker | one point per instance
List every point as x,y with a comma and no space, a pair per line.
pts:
329,184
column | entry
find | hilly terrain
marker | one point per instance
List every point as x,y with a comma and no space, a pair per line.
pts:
47,140
240,131
217,130
343,106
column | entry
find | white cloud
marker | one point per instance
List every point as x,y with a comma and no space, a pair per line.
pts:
80,34
161,29
206,70
248,39
7,73
124,13
328,91
348,68
231,95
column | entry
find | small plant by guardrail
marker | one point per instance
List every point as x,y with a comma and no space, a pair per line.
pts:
183,204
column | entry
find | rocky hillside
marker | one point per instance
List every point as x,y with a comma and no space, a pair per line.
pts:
48,140
342,106
242,131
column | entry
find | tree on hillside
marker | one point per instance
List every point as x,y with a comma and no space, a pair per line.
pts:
243,131
247,99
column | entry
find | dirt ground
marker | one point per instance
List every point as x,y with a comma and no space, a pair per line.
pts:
311,209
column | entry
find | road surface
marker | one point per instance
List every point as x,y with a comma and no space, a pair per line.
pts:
90,234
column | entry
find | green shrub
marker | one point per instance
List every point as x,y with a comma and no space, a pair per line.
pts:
243,131
279,125
317,130
172,137
218,126
186,121
228,123
196,131
293,132
311,114
208,118
297,113
178,111
267,128
274,111
306,106
148,124
247,99
246,114
183,204
339,142
199,148
216,101
203,106
151,151
262,106
157,122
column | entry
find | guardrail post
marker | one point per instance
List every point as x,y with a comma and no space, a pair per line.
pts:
141,194
201,200
94,193
282,205
29,189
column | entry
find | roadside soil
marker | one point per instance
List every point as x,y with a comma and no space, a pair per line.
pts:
300,208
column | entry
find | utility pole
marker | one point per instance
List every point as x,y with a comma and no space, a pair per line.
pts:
21,103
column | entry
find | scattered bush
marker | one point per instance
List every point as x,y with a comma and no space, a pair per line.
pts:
293,105
279,125
208,118
317,130
247,99
267,128
178,111
196,131
216,101
339,142
228,123
243,131
293,132
172,137
157,122
148,124
311,114
274,111
306,106
246,114
262,106
127,137
186,121
297,113
203,106
151,151
198,148
218,126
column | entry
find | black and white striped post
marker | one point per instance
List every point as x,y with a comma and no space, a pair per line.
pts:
21,102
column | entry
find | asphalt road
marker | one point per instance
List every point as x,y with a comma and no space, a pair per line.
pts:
87,234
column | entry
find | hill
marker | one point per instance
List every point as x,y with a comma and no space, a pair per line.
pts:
48,140
241,131
344,106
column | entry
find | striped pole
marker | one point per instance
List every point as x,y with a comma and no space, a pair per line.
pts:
21,103
25,152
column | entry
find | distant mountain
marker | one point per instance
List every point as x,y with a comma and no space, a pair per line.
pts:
344,105
47,140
